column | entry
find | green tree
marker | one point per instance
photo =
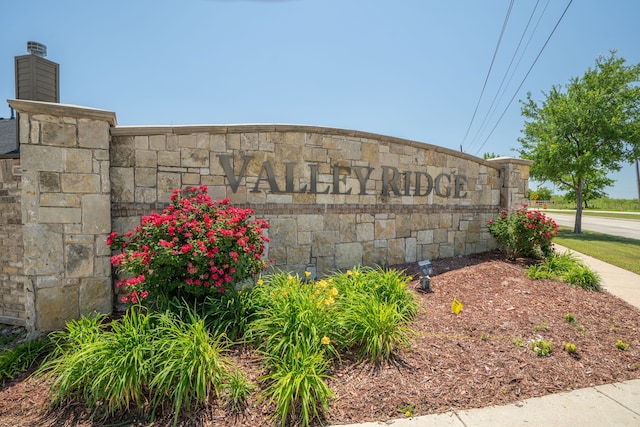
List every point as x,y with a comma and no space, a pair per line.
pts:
590,124
543,193
592,189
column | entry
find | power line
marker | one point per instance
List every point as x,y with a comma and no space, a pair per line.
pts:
525,77
491,109
495,52
527,45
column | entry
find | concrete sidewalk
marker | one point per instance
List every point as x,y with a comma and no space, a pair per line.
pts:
606,405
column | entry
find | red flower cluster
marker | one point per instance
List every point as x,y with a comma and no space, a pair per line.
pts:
195,244
523,232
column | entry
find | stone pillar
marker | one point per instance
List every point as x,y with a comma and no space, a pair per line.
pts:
66,211
515,181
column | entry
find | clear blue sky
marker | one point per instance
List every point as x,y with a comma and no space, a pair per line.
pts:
406,68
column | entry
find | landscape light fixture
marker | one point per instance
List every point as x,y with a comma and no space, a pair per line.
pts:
425,279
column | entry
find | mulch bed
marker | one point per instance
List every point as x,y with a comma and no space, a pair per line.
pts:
456,361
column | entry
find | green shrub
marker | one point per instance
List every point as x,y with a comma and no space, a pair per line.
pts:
289,311
389,287
189,365
294,328
552,267
581,276
78,333
18,359
300,327
237,389
524,233
376,310
228,313
108,371
296,383
566,268
155,361
145,360
195,247
373,329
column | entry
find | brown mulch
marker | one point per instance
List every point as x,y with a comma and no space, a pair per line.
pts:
461,361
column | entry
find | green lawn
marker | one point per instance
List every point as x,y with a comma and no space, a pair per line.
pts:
620,215
612,215
619,251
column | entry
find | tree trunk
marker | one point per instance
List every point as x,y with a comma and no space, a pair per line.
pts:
577,228
638,179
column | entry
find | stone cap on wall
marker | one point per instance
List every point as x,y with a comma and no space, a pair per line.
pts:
253,128
55,109
511,160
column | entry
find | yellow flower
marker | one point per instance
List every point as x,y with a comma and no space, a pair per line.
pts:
349,273
329,301
260,282
356,274
622,345
325,340
408,413
333,292
307,273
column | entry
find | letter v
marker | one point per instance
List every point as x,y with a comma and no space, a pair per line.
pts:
225,162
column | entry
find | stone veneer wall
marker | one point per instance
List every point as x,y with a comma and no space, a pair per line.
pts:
65,211
12,294
326,229
334,198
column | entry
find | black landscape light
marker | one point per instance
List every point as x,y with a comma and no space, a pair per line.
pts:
425,279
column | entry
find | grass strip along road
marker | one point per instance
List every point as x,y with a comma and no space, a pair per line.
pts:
619,251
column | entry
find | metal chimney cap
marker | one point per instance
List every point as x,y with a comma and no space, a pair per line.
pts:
37,49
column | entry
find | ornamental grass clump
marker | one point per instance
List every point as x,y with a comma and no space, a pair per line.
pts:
107,369
190,364
297,383
18,359
566,268
289,311
294,329
301,327
522,233
376,311
237,390
146,361
195,247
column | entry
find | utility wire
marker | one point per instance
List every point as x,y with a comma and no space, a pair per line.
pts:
495,52
491,109
525,48
525,77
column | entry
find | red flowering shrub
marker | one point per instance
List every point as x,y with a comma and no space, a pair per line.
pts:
524,233
195,246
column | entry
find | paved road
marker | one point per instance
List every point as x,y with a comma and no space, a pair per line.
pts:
616,227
